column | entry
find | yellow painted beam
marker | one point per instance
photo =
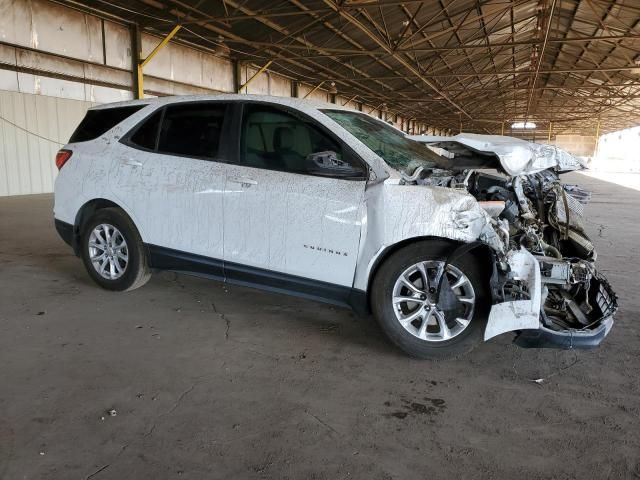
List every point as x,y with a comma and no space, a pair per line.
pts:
140,82
253,77
161,45
350,100
314,89
140,67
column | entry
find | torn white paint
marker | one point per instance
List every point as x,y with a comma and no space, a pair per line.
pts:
518,314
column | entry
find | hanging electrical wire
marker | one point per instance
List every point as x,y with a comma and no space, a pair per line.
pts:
30,132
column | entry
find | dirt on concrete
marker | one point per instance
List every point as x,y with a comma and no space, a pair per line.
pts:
192,379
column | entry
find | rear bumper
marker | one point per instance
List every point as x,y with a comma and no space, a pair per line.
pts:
65,230
567,339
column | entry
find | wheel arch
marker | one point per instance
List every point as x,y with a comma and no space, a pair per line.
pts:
483,253
86,211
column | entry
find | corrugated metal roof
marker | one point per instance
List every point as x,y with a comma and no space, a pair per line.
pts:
478,65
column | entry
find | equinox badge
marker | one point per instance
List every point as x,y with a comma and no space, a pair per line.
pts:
326,250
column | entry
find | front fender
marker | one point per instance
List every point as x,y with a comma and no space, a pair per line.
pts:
419,211
397,213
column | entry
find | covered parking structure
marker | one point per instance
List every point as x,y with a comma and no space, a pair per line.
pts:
192,379
569,67
469,65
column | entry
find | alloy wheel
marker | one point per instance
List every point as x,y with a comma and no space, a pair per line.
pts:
108,251
417,309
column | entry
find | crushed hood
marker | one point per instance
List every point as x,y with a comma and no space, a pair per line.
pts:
513,155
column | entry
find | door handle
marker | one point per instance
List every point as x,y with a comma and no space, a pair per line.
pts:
132,163
243,181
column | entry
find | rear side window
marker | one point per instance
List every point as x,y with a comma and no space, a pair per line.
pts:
146,135
98,122
192,129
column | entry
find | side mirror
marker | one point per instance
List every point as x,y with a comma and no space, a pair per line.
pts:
328,164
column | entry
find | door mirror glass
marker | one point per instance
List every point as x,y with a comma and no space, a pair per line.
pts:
328,164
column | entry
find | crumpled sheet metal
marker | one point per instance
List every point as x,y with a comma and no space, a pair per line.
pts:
518,314
417,210
516,156
550,156
396,213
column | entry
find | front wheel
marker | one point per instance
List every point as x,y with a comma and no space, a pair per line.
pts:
427,307
112,251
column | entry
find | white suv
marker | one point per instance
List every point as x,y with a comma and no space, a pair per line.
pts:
310,200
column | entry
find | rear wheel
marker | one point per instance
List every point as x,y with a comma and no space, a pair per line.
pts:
112,251
428,307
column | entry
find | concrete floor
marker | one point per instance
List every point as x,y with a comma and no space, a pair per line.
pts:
210,381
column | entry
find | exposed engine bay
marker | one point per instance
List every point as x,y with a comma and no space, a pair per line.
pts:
538,214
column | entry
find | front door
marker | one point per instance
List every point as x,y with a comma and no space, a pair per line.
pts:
277,217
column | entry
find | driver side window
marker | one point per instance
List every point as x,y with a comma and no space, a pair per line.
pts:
275,140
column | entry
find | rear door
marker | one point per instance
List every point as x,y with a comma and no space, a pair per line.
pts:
170,174
280,219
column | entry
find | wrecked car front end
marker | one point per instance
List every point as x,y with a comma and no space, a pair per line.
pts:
544,286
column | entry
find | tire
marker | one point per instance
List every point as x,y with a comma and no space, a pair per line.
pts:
115,224
444,336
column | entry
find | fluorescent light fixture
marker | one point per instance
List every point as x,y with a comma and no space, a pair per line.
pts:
520,125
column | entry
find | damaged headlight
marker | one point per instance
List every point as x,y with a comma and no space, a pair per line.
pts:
478,223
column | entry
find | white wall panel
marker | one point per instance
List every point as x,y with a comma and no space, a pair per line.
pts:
53,87
98,94
51,27
344,101
187,66
165,87
8,80
279,86
117,45
258,86
41,85
15,15
318,95
32,129
217,73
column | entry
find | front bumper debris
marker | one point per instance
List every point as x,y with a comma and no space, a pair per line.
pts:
531,320
567,339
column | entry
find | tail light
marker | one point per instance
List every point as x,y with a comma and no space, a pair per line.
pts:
61,158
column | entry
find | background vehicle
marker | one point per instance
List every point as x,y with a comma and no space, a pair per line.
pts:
308,200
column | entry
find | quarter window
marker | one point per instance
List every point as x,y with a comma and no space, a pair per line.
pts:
192,129
146,135
275,140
